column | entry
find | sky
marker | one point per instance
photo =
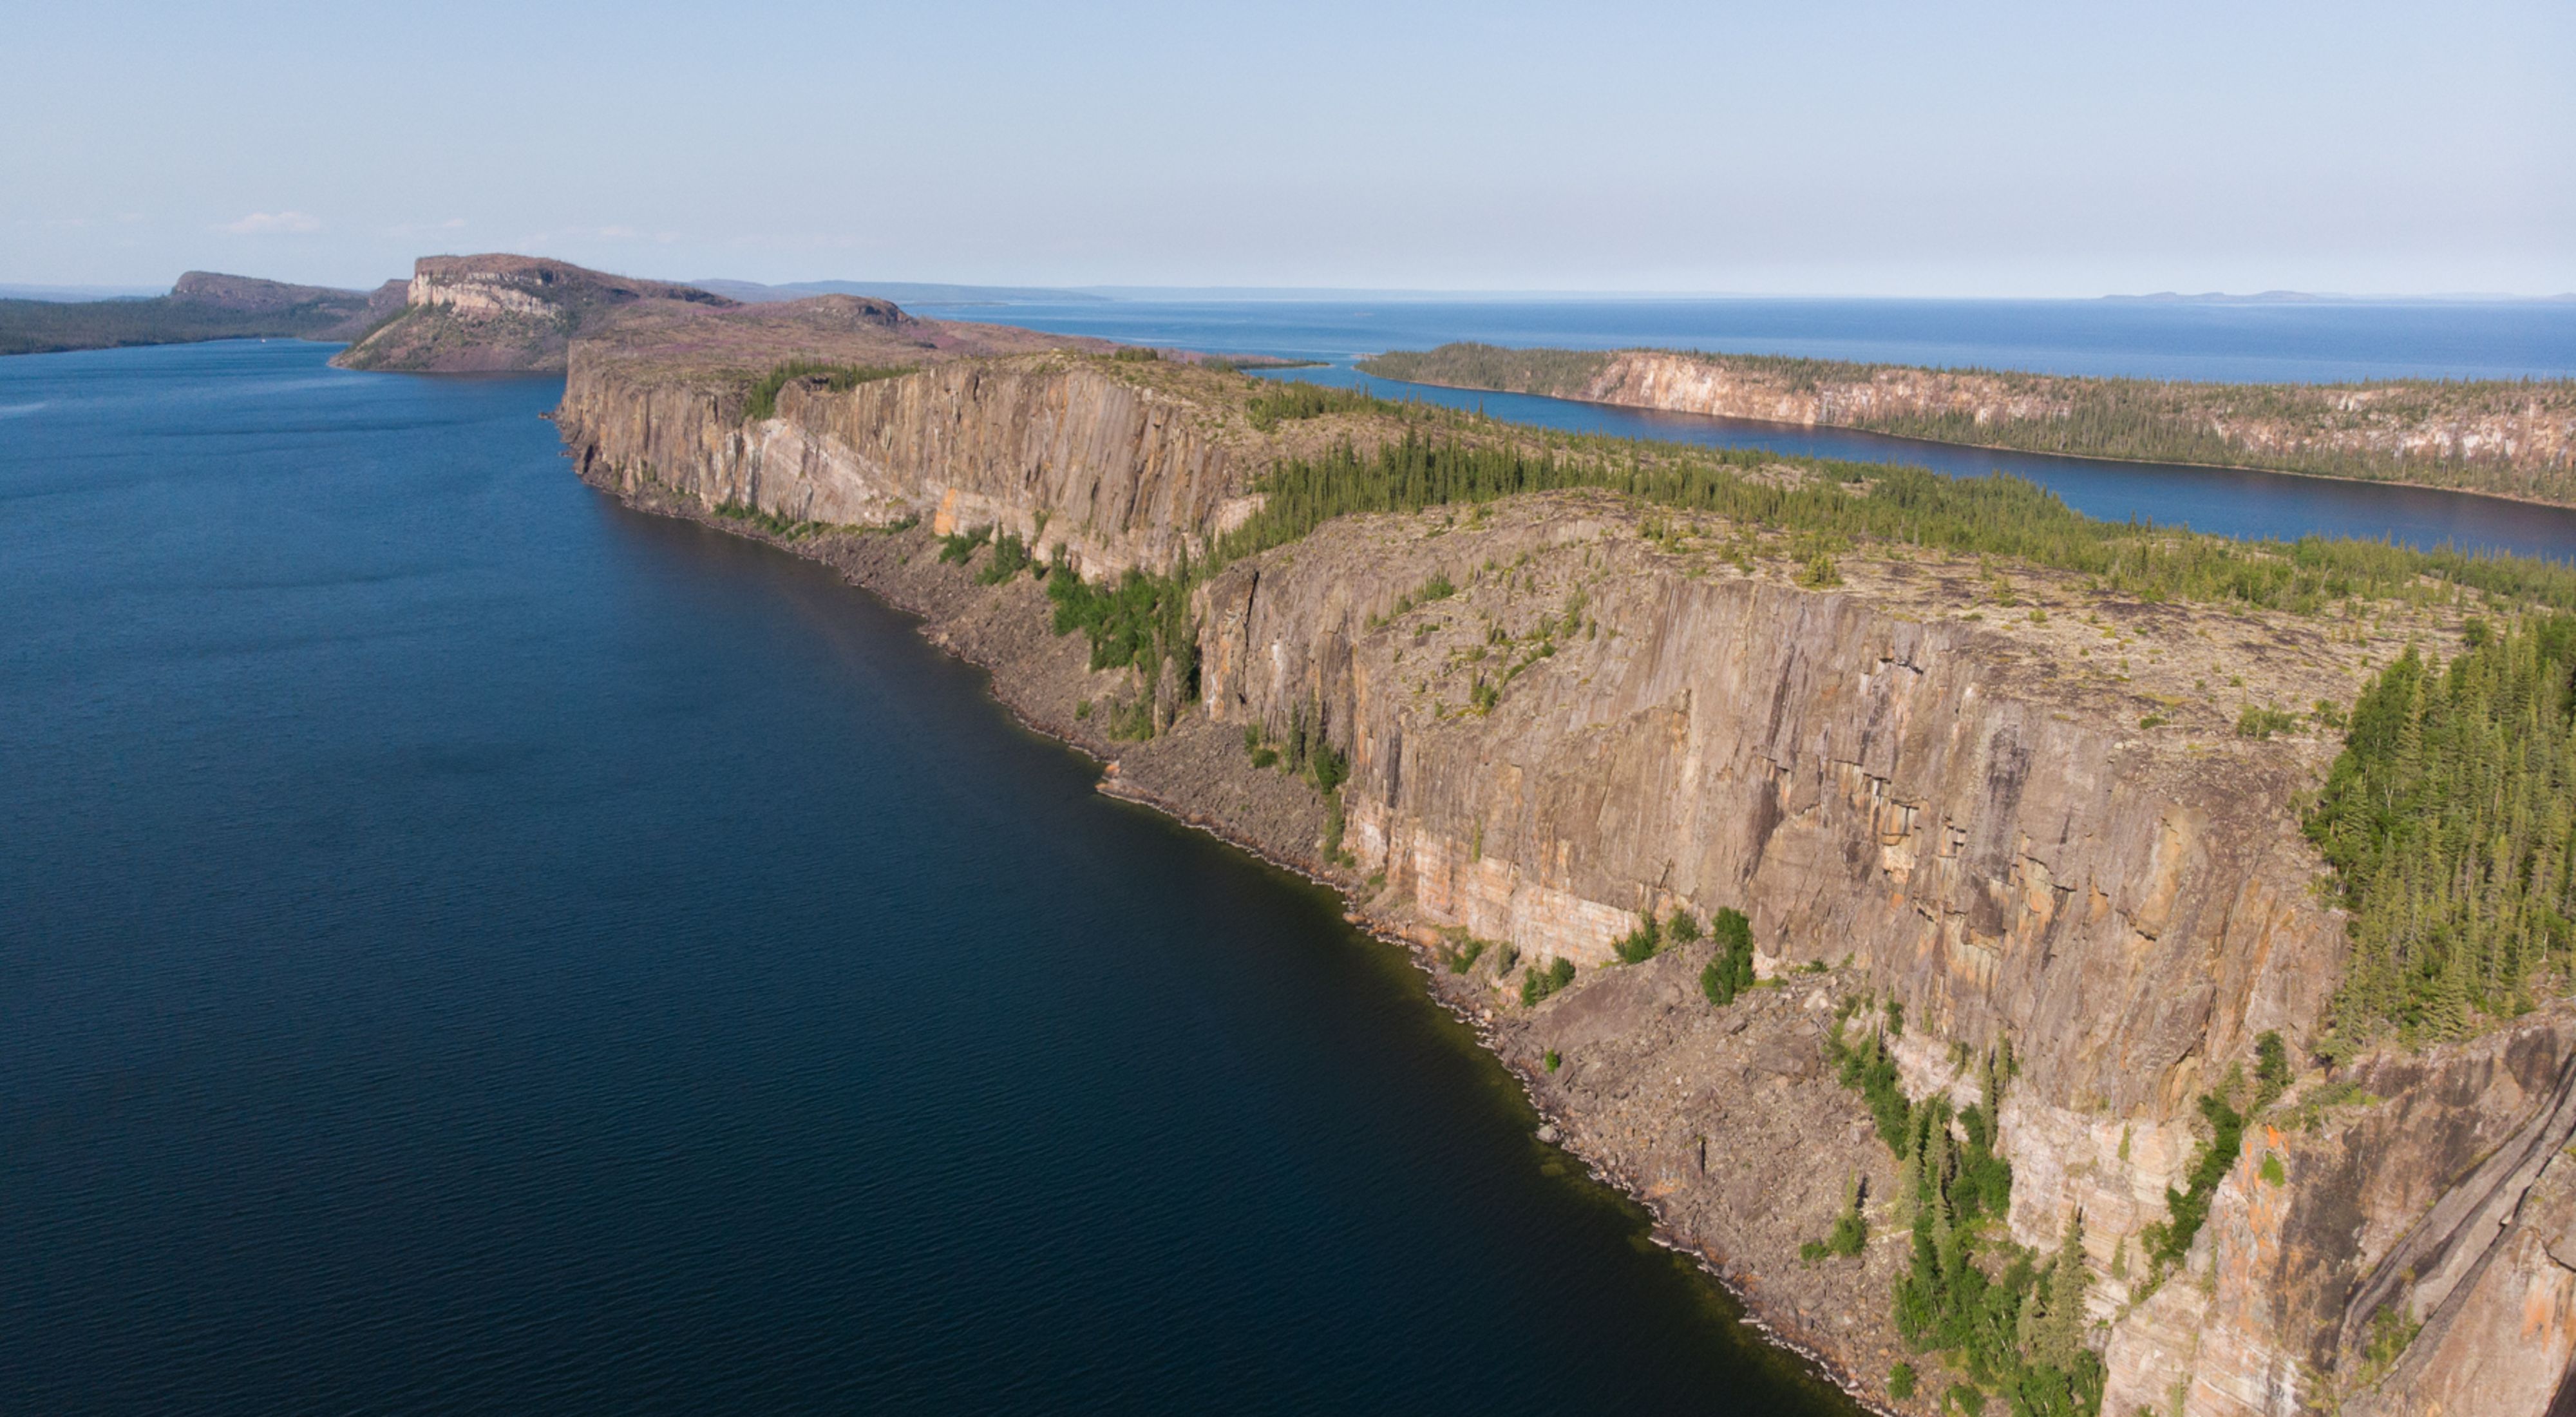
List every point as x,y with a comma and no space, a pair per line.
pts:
1793,148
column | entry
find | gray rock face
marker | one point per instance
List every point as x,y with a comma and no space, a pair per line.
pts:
1956,814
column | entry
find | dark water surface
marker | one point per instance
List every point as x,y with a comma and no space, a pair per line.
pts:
2299,343
469,947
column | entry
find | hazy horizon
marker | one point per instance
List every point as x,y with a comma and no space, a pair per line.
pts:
2007,151
12,289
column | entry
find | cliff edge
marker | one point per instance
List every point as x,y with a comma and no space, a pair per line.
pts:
2015,866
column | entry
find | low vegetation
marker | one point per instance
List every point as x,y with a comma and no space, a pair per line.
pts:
2168,1240
2009,1318
1729,970
784,528
1850,1234
1537,983
762,399
1286,399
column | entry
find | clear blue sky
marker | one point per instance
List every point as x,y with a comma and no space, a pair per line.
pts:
2038,149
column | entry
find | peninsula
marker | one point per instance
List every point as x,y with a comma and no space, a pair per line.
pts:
201,306
2092,968
2509,438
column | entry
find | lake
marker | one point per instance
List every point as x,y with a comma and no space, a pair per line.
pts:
471,947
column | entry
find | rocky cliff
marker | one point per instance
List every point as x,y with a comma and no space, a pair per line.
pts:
2513,438
1562,709
202,305
497,313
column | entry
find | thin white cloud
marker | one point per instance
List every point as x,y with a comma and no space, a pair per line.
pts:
272,223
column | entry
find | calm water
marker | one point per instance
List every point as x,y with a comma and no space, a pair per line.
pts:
2228,342
469,947
2242,342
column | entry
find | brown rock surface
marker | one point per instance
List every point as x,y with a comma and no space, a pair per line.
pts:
1909,791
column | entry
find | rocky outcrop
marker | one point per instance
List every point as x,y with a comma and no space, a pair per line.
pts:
2514,438
503,313
1554,721
203,305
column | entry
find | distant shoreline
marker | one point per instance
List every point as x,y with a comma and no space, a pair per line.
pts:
2510,497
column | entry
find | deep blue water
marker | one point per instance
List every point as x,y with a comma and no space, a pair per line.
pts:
2260,343
465,946
2181,341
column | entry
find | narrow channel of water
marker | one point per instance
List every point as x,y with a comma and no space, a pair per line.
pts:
2302,343
2238,502
471,947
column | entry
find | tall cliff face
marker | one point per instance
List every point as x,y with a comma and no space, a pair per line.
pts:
1555,719
1962,816
2513,438
1060,450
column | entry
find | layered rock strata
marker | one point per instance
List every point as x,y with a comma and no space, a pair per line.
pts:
1909,799
2513,438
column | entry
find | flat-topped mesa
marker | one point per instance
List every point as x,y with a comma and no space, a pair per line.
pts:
535,285
2513,438
498,313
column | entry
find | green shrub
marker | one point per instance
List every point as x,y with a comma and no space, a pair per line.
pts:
1538,983
1010,557
1640,944
785,528
1683,928
1143,621
762,399
958,548
1729,970
2264,722
1900,1382
1553,1061
2272,1074
1850,1234
2168,1240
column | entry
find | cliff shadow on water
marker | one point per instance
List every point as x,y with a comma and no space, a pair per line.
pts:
1324,1053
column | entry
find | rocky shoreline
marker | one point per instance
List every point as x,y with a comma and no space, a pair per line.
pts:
2001,798
1823,1315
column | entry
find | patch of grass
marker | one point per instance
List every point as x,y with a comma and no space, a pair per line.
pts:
784,528
2257,722
1538,983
